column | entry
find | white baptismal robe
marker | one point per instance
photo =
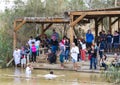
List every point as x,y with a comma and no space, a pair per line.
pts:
74,52
50,76
28,72
16,56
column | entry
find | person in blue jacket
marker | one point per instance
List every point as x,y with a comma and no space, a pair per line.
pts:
89,39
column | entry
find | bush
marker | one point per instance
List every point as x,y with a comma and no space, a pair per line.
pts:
5,48
112,75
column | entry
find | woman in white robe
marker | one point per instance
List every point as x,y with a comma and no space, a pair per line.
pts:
74,54
16,56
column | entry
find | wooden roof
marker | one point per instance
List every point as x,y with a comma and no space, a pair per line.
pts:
104,9
91,14
42,20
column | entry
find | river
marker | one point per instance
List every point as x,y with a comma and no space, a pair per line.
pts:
16,76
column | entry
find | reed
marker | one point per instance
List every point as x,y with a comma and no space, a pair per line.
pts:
112,75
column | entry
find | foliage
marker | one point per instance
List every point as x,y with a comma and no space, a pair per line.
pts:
36,8
112,75
5,47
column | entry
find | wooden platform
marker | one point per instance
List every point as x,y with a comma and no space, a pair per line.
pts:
82,67
42,63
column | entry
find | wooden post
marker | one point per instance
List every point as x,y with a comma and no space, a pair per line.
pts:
110,27
71,29
64,29
14,36
42,31
101,23
118,25
96,29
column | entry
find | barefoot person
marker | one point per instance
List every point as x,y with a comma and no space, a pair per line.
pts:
23,57
74,54
62,54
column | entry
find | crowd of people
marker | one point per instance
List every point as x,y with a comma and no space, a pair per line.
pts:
74,52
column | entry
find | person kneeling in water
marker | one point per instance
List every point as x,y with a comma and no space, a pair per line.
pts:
51,75
28,70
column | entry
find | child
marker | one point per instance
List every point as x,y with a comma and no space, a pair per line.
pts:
83,50
74,54
23,57
104,62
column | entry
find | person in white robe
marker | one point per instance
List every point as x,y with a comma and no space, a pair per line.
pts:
16,56
28,70
50,75
74,54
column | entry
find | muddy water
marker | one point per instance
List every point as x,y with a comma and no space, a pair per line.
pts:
13,76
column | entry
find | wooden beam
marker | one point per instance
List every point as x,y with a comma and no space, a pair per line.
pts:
115,21
47,27
73,23
9,62
110,26
97,13
20,25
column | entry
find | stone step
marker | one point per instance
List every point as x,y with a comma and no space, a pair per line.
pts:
81,68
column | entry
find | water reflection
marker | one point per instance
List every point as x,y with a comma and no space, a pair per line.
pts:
17,72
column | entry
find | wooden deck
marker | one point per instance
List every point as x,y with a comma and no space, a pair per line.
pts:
42,64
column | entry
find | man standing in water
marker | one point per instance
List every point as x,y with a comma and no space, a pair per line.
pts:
16,56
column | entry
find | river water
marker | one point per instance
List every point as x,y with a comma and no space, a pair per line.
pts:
16,76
